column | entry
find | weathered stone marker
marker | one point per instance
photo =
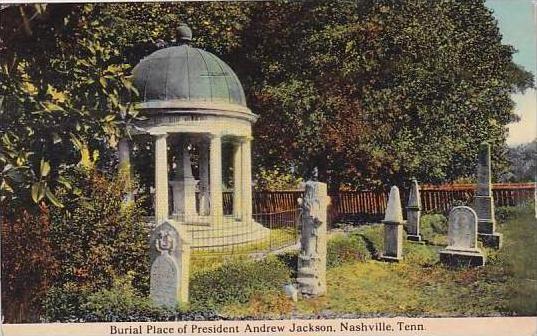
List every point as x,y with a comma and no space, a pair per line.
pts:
484,201
393,227
311,275
462,239
413,213
170,257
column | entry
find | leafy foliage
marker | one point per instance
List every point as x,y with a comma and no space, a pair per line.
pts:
63,95
434,228
523,159
343,249
28,264
236,281
96,236
372,93
119,303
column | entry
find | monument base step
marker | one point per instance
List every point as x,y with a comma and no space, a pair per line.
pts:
493,240
390,258
461,258
415,239
485,226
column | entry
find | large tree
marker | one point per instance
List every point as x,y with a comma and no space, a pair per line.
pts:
374,92
364,93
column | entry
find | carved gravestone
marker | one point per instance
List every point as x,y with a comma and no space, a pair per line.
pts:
462,239
170,257
393,227
311,275
484,201
413,213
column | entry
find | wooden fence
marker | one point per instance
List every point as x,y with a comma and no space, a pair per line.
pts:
372,204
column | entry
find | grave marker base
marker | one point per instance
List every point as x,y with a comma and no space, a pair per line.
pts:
493,240
390,258
462,258
415,239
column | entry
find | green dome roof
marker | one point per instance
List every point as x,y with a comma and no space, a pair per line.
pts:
190,77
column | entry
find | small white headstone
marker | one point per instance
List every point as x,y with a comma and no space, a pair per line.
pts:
462,239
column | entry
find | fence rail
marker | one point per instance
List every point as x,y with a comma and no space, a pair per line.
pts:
372,204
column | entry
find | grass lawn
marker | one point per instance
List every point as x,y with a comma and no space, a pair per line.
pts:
507,284
419,285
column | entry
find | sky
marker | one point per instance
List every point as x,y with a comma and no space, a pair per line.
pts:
517,22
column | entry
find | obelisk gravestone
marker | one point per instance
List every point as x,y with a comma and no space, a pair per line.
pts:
484,201
393,227
413,213
462,239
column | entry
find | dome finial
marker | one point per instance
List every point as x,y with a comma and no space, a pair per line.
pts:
184,33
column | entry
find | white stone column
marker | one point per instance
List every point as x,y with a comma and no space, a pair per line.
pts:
161,178
217,211
123,148
237,181
246,179
184,196
204,207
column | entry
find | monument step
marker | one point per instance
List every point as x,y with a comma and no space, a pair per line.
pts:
252,231
236,240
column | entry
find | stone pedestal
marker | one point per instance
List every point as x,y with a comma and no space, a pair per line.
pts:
484,201
413,213
462,236
184,197
170,260
393,228
311,275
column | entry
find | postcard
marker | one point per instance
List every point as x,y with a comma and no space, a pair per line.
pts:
268,168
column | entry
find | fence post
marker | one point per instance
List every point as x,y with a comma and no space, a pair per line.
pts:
311,277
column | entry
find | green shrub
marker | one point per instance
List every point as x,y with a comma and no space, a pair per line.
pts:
344,249
420,254
290,260
63,302
373,237
270,303
434,228
120,303
506,213
236,281
97,236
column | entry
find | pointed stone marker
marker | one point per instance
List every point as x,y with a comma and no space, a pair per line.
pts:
484,201
462,237
393,227
413,213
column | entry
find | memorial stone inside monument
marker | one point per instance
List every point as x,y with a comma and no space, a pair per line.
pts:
393,227
484,200
311,275
462,239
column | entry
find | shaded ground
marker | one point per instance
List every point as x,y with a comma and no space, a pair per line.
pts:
419,285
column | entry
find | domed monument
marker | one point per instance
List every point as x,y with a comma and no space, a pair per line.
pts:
194,102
